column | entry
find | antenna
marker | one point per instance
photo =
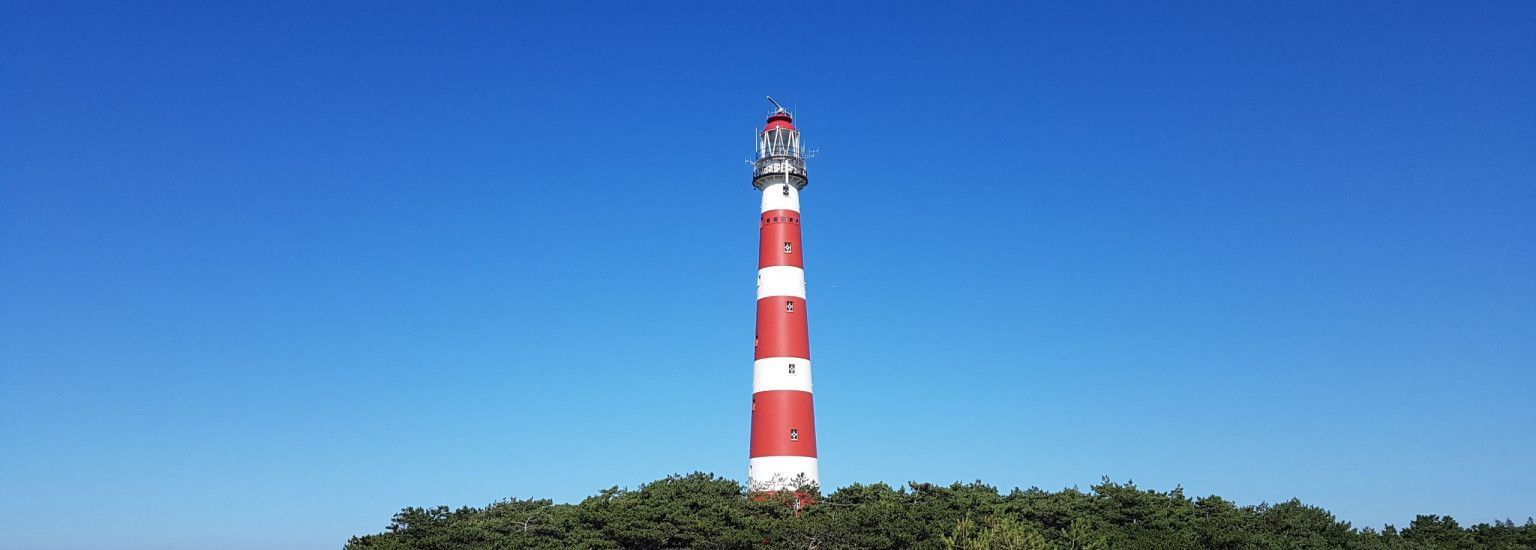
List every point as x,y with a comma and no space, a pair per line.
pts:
775,103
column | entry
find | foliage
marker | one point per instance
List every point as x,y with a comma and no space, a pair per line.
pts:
708,512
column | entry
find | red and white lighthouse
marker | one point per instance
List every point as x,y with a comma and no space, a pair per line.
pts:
783,455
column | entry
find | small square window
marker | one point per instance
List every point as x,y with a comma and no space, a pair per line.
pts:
794,435
791,368
789,306
788,248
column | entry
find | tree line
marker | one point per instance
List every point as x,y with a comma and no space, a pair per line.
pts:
703,511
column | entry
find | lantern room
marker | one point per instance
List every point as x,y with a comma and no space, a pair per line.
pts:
780,157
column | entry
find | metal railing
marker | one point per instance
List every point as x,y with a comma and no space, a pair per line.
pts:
779,165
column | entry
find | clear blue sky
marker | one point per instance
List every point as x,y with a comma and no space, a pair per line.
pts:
268,274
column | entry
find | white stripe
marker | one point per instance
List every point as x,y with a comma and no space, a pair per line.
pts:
774,373
781,280
773,473
775,199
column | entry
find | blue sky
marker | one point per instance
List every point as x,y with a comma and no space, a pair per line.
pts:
271,273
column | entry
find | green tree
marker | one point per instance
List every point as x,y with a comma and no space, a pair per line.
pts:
704,511
1438,532
993,533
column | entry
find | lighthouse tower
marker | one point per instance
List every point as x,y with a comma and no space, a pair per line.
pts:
783,423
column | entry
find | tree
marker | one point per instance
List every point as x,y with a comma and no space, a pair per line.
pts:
1438,532
993,533
704,511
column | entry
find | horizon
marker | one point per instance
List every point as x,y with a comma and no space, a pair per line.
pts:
273,273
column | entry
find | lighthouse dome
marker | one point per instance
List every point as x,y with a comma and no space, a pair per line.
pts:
779,120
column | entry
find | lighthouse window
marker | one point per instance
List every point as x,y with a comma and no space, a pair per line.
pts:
791,368
789,306
789,249
794,435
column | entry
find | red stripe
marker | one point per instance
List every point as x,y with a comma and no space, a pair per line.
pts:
781,331
779,227
774,414
782,212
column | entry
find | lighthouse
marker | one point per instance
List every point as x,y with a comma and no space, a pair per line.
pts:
783,448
